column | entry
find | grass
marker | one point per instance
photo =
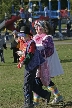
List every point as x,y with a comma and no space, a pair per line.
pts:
11,79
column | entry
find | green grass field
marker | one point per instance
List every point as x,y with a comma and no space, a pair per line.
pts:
11,79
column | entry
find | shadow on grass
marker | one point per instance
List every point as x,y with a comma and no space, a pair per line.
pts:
66,60
8,64
62,105
68,104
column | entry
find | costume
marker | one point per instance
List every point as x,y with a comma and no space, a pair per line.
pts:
46,47
32,61
22,49
22,44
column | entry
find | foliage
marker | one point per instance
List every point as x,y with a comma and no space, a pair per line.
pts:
6,5
71,6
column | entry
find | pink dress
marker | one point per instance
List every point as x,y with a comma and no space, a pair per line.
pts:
43,71
55,67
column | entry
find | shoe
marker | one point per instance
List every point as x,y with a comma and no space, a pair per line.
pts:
48,97
57,100
28,106
35,104
31,106
2,61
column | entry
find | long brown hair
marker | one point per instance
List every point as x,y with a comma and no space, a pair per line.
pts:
48,28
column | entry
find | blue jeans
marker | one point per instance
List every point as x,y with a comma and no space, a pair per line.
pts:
32,84
29,77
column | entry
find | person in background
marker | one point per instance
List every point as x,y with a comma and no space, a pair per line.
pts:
2,45
54,25
7,35
21,41
45,9
22,48
15,46
68,27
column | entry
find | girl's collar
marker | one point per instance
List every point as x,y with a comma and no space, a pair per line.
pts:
47,36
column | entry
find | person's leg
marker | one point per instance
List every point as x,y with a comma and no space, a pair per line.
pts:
39,91
0,53
18,55
2,57
68,32
15,55
52,87
28,87
58,97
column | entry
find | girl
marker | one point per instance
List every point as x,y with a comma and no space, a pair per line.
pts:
45,45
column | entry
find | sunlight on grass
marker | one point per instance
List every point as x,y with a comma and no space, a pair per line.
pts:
11,79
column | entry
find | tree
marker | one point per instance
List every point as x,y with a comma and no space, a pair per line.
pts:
71,5
6,5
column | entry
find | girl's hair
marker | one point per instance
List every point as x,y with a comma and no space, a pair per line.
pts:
48,28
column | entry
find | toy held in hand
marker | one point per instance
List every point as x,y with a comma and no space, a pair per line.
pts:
20,53
20,64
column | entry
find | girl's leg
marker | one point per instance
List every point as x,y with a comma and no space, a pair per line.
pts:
39,91
58,97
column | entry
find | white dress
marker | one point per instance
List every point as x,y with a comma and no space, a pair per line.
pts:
55,67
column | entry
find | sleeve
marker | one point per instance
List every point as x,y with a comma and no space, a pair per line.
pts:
30,53
48,46
48,42
32,48
28,58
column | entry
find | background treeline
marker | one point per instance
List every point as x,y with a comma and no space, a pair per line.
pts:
6,5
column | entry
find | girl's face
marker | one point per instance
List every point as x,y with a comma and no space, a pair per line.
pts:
38,29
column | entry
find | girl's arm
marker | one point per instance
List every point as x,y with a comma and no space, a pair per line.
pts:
48,46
